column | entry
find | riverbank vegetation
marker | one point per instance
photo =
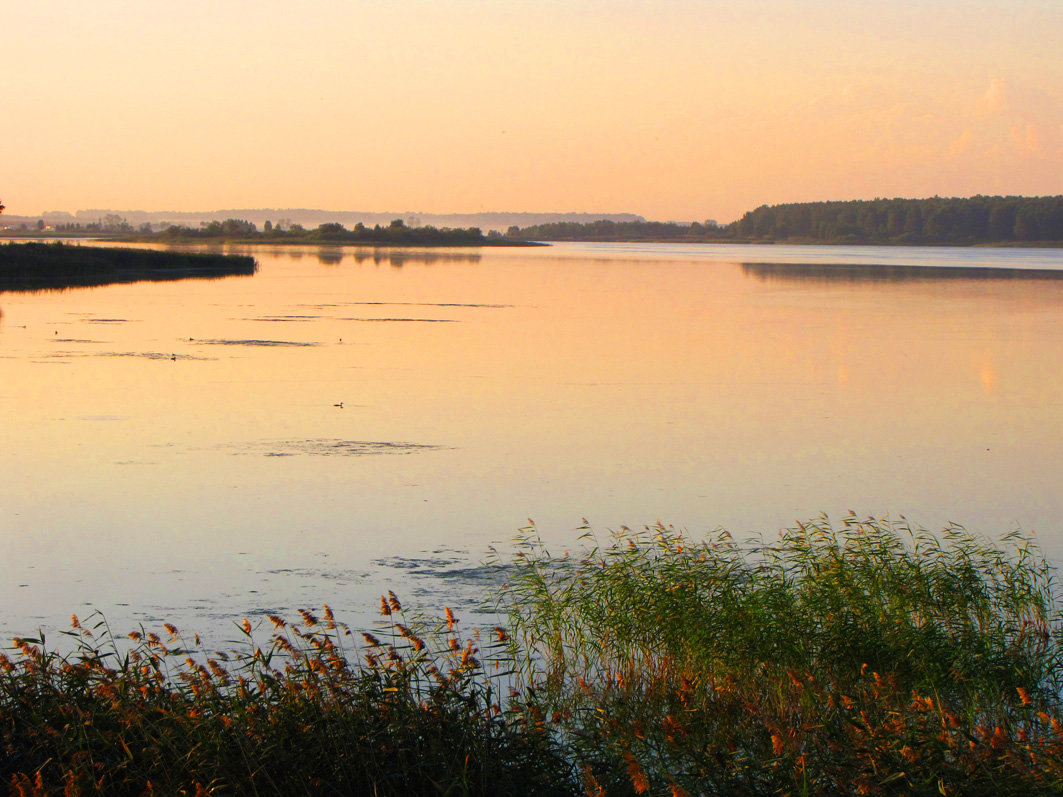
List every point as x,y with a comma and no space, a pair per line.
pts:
36,266
870,658
395,234
936,221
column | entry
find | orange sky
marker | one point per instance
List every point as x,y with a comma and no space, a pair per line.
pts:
676,109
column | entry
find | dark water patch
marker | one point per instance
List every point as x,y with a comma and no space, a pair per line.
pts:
405,320
882,272
330,447
228,342
457,569
336,576
442,580
107,320
75,340
405,304
285,318
146,355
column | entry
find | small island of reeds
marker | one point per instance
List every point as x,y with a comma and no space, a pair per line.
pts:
38,266
869,658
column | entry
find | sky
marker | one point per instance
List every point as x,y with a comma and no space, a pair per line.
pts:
673,109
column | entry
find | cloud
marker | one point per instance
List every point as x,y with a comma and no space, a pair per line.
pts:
995,100
1027,139
961,143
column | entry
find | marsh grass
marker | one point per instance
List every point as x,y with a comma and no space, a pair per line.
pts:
870,658
56,266
874,657
313,710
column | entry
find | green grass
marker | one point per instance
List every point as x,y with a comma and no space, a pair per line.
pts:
869,658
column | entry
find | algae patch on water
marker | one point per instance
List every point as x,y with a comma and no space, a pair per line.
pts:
330,447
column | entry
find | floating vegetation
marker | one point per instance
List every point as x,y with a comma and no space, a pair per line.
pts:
452,568
405,320
228,342
331,447
409,304
147,355
286,318
341,576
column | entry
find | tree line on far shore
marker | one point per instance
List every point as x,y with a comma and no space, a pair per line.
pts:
395,233
937,220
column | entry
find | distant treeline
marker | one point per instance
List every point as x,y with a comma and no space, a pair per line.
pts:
36,266
938,220
605,230
395,234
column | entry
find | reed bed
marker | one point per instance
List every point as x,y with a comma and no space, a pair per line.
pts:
871,658
875,658
313,710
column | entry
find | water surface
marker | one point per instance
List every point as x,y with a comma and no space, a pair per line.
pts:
347,421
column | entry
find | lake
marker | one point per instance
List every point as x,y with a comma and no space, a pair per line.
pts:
347,421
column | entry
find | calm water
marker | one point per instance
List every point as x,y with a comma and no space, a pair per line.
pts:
174,451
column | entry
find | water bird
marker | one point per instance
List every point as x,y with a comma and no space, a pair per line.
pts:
340,405
173,357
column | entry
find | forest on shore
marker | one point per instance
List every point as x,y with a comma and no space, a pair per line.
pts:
953,221
397,233
1010,220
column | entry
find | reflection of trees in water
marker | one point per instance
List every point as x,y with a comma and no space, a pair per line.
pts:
329,257
877,272
394,257
379,255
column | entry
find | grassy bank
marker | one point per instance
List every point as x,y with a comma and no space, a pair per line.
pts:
869,658
36,266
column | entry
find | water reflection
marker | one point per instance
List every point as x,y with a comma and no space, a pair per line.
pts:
888,272
375,255
304,437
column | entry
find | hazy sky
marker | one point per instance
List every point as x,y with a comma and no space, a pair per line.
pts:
675,109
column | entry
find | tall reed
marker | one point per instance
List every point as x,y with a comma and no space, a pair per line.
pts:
307,712
873,656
